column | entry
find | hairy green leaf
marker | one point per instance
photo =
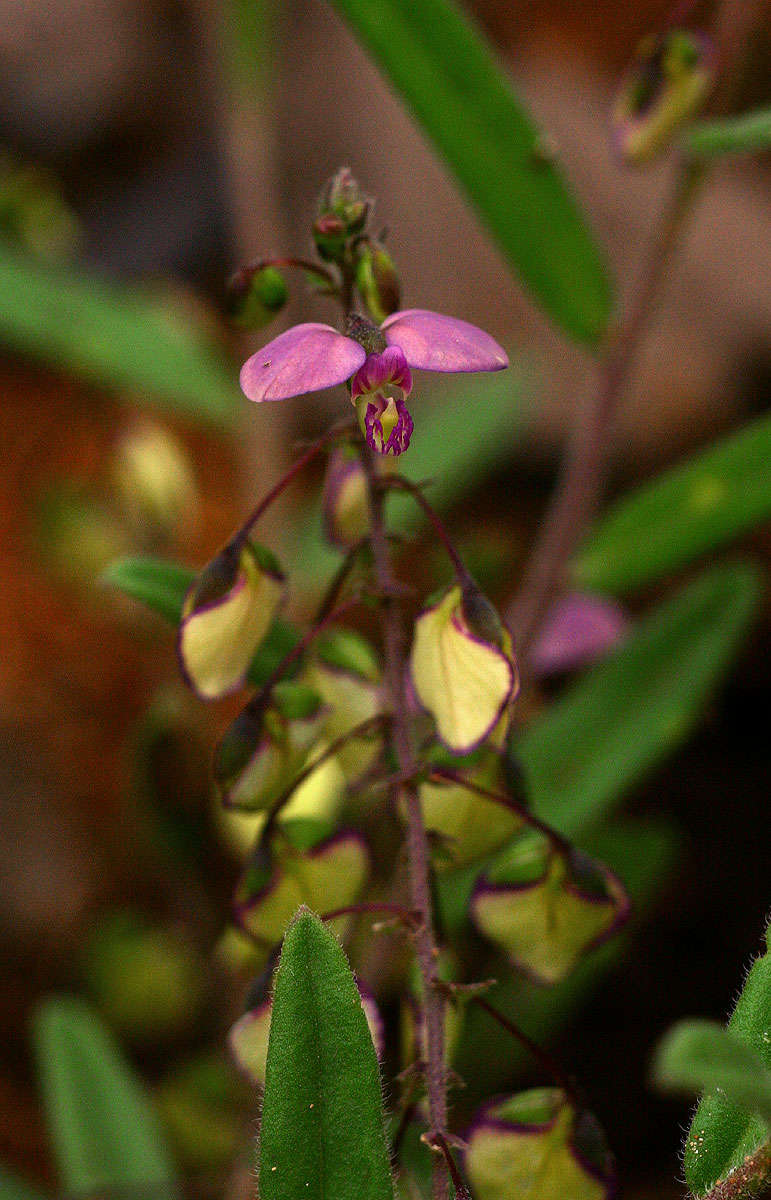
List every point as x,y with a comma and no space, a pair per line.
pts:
447,74
323,1127
702,1056
692,508
627,713
162,586
113,335
105,1134
723,1133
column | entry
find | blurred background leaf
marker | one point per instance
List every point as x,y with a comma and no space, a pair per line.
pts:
448,76
114,336
105,1134
692,508
701,1056
626,714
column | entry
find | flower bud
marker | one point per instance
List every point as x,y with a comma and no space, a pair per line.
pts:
546,909
154,481
330,236
225,617
267,746
346,673
665,87
377,280
344,504
254,297
342,197
537,1145
462,673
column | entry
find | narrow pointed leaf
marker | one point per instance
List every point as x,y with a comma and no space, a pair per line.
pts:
323,1127
628,713
112,335
162,586
447,75
105,1134
692,508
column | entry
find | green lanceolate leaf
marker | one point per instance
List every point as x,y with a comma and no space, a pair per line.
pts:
114,336
733,135
104,1131
695,507
323,1129
701,1056
626,714
726,1137
162,586
448,76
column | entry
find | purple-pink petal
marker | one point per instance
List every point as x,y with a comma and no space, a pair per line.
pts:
306,358
432,342
578,629
380,369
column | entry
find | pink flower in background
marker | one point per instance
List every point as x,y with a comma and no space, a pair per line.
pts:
377,362
579,629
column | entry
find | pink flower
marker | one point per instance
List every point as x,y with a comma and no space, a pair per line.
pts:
377,362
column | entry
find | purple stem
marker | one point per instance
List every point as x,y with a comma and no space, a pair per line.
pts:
297,466
418,855
397,482
550,1065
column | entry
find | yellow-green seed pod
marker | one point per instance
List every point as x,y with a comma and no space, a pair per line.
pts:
462,670
225,617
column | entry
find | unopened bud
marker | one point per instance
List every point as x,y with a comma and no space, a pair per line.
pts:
345,505
665,87
330,236
256,296
342,197
378,281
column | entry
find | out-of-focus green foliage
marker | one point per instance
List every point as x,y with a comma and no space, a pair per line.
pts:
626,714
446,72
725,1133
692,508
14,1188
323,1127
732,135
702,1056
113,335
105,1134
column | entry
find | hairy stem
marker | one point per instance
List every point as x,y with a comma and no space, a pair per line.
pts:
418,854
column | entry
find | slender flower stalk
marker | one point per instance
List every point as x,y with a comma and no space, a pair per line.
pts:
417,842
